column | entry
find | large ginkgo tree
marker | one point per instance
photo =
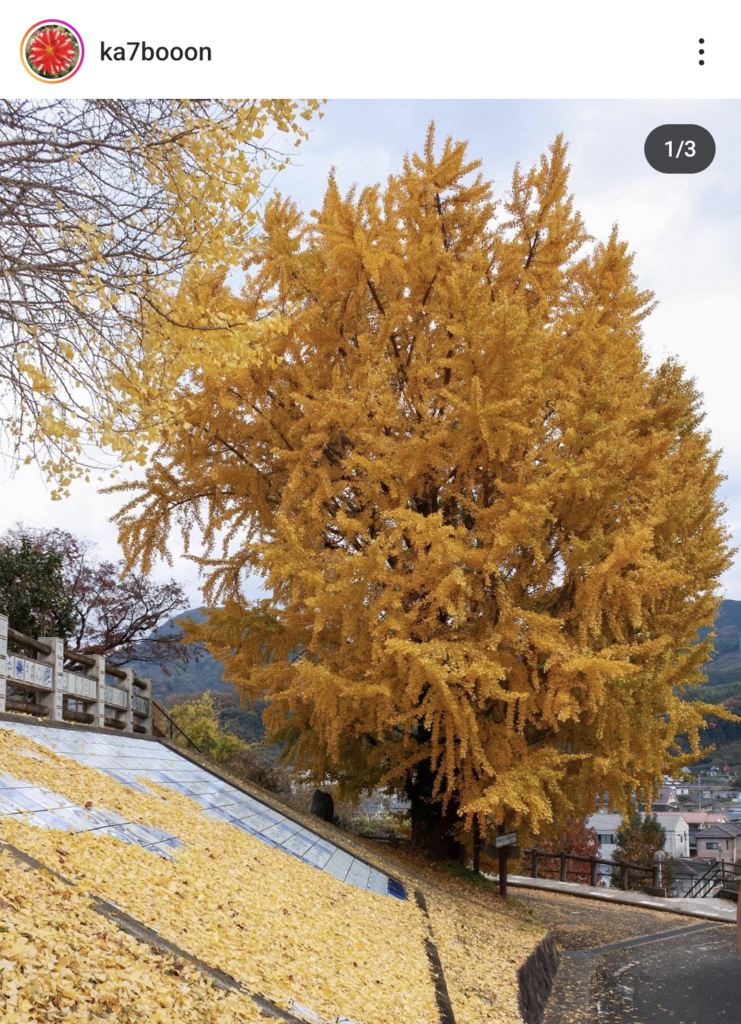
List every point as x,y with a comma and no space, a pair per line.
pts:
488,528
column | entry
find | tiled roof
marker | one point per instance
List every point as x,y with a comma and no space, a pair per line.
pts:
691,867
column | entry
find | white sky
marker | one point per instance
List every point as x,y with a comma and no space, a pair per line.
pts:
684,229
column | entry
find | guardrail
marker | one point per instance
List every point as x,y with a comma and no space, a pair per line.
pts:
166,727
720,874
43,678
626,867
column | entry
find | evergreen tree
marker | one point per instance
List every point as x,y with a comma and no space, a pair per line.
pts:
32,590
636,841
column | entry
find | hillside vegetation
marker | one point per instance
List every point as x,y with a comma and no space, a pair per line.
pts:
724,687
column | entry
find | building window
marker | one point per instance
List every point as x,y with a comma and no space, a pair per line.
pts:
605,838
712,846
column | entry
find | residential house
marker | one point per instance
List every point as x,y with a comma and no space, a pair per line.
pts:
676,828
721,841
666,800
699,820
677,843
686,871
605,825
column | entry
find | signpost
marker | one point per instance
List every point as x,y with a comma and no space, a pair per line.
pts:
502,843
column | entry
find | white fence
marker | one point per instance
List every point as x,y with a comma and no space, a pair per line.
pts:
61,685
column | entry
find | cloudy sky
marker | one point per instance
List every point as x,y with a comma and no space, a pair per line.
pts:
684,229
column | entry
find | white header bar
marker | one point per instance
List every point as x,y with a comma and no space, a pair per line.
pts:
387,49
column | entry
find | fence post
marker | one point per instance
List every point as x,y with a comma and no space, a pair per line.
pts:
563,867
3,659
534,870
592,870
624,877
55,698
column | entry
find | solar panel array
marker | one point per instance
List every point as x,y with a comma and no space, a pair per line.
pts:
134,762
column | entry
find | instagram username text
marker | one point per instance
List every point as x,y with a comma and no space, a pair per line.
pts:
130,51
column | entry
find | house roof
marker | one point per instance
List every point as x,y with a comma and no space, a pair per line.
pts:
722,830
670,819
701,817
691,867
666,794
604,822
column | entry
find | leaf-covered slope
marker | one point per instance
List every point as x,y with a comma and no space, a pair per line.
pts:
277,925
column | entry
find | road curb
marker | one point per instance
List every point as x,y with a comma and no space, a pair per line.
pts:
721,915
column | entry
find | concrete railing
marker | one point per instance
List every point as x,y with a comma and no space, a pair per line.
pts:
63,685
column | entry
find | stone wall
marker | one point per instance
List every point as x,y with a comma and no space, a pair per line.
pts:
535,979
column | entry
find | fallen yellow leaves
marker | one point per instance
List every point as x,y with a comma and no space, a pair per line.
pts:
284,929
59,960
480,957
482,940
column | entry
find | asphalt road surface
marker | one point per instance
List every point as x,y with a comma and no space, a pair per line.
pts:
620,965
691,978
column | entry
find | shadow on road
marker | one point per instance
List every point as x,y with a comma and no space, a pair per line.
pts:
621,965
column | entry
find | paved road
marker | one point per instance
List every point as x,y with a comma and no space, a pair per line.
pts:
692,978
623,965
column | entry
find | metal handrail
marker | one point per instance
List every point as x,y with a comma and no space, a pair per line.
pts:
705,882
174,725
718,873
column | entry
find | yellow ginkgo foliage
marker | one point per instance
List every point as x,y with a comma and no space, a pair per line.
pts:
488,528
107,205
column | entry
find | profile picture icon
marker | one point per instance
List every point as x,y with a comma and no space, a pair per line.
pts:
52,51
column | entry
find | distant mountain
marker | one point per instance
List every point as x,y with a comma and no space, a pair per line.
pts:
723,686
725,668
171,683
168,681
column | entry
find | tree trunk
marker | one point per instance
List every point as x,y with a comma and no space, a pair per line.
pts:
431,826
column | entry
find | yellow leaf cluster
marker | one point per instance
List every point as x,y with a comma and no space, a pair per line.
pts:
487,527
206,167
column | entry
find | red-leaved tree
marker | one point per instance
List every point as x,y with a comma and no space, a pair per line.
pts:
572,836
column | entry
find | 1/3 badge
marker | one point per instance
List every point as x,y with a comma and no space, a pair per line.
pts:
680,148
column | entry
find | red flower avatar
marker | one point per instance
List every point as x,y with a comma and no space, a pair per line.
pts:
51,51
